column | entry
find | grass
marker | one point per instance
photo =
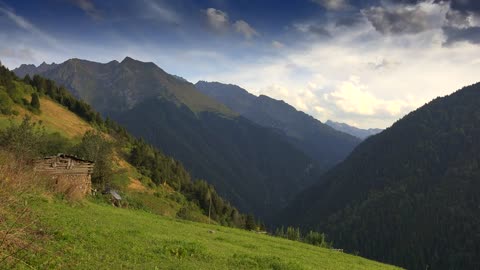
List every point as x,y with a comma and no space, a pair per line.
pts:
56,234
96,236
54,117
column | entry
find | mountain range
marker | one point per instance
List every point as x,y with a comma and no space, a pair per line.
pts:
354,131
409,195
255,168
321,142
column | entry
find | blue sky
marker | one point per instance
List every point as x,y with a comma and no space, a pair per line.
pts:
366,63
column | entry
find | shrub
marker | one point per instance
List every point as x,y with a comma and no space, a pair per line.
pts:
23,139
6,103
29,140
35,102
316,239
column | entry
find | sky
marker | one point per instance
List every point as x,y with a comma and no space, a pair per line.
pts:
366,63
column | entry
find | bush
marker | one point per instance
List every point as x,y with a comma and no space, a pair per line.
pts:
29,140
293,234
312,238
316,239
6,103
23,140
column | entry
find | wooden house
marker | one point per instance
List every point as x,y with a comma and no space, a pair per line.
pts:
72,175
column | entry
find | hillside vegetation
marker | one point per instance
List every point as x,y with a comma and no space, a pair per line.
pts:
147,178
409,195
41,229
55,118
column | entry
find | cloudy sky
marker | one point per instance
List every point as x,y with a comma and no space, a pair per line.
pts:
365,62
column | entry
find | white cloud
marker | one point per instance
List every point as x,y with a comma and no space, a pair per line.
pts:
406,19
353,97
162,12
219,22
217,19
88,7
358,76
26,25
278,44
245,29
23,54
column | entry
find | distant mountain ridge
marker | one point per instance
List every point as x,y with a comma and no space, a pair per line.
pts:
24,69
354,131
255,168
321,142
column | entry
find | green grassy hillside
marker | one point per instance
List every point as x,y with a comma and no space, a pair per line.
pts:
134,186
92,235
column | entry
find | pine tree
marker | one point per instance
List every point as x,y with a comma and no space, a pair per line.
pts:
35,102
27,79
250,223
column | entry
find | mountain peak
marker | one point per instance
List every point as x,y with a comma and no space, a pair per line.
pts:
31,69
27,65
128,59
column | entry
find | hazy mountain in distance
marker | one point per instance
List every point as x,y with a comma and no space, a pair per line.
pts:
321,142
24,69
409,195
354,131
255,168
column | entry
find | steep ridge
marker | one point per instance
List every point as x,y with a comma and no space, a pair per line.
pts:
319,141
409,195
253,167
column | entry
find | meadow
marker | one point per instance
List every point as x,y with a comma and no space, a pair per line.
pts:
92,235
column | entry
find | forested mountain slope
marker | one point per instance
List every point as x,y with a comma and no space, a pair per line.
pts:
409,195
321,142
253,167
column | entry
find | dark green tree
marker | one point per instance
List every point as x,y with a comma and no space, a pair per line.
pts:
316,239
27,79
293,234
35,102
96,148
250,223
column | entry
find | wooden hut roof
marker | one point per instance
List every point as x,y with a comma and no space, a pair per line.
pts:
61,155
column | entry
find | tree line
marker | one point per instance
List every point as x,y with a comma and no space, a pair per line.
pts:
12,93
